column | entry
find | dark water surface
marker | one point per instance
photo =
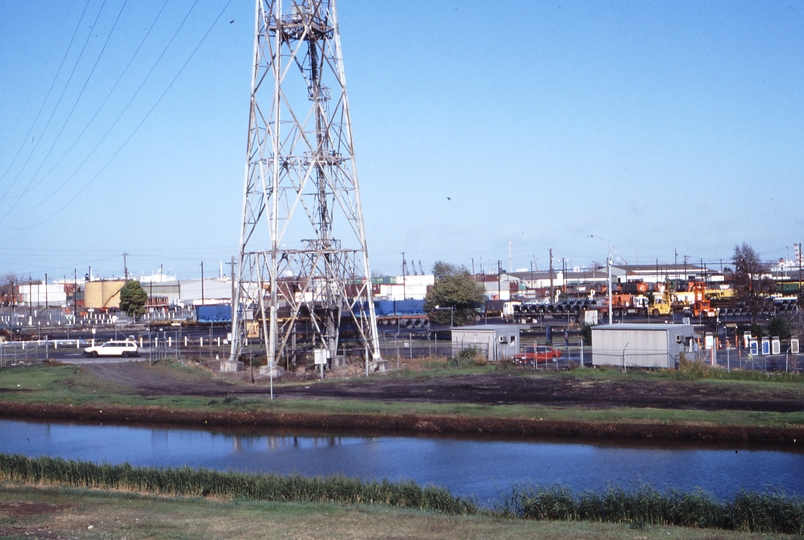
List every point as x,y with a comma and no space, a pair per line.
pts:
483,468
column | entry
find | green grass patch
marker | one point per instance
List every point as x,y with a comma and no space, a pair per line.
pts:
69,512
71,385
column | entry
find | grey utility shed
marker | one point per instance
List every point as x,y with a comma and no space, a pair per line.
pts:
494,341
640,345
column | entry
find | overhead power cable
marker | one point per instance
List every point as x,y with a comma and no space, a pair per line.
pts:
58,102
136,129
91,120
72,110
44,101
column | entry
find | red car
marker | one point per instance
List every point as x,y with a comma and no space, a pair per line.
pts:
539,353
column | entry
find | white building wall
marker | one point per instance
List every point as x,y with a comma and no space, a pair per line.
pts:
38,294
633,345
406,287
497,342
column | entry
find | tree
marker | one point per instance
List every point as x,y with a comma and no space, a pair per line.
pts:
750,283
454,296
7,282
779,327
133,299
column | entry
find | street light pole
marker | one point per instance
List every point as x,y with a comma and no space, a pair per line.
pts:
608,266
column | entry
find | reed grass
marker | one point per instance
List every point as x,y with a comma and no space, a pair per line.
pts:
773,512
232,485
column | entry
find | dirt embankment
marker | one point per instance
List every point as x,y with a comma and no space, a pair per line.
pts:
415,424
485,389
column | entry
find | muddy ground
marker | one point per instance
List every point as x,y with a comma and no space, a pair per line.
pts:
488,389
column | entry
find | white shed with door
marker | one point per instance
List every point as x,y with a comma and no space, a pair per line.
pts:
640,345
494,341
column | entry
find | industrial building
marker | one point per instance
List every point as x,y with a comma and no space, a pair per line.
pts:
640,345
494,341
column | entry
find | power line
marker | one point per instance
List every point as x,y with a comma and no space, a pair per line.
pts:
72,109
44,101
136,129
97,111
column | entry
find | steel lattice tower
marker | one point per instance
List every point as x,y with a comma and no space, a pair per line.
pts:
303,263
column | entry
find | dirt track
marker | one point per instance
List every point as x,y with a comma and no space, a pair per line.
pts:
143,379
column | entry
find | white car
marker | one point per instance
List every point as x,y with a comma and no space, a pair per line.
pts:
113,348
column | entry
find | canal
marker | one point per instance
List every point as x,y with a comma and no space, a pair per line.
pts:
482,468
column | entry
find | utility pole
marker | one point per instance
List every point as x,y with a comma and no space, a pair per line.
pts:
675,263
46,299
125,265
608,268
75,295
202,283
499,278
404,277
552,287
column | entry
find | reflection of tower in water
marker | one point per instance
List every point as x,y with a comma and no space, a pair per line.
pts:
303,266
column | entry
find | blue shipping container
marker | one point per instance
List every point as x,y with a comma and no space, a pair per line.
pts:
212,314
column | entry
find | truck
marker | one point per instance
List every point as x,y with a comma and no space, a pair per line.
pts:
625,304
662,305
701,307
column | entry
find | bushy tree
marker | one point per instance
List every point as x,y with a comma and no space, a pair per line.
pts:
750,283
133,299
780,327
586,334
455,294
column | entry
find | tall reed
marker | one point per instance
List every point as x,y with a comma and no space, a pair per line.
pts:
774,512
233,485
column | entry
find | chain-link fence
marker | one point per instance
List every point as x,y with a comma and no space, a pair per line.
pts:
20,353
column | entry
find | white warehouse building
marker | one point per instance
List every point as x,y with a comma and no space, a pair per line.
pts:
640,345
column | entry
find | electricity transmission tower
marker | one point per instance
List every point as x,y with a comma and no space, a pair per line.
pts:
303,265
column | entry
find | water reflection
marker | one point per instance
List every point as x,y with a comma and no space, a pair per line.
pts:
466,466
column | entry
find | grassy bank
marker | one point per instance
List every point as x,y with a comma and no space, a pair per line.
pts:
58,512
73,386
641,509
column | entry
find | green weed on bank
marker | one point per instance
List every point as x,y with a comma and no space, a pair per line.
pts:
775,512
231,485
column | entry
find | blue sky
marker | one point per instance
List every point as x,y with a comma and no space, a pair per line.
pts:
664,127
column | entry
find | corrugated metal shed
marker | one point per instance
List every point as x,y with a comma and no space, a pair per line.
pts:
640,345
495,341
